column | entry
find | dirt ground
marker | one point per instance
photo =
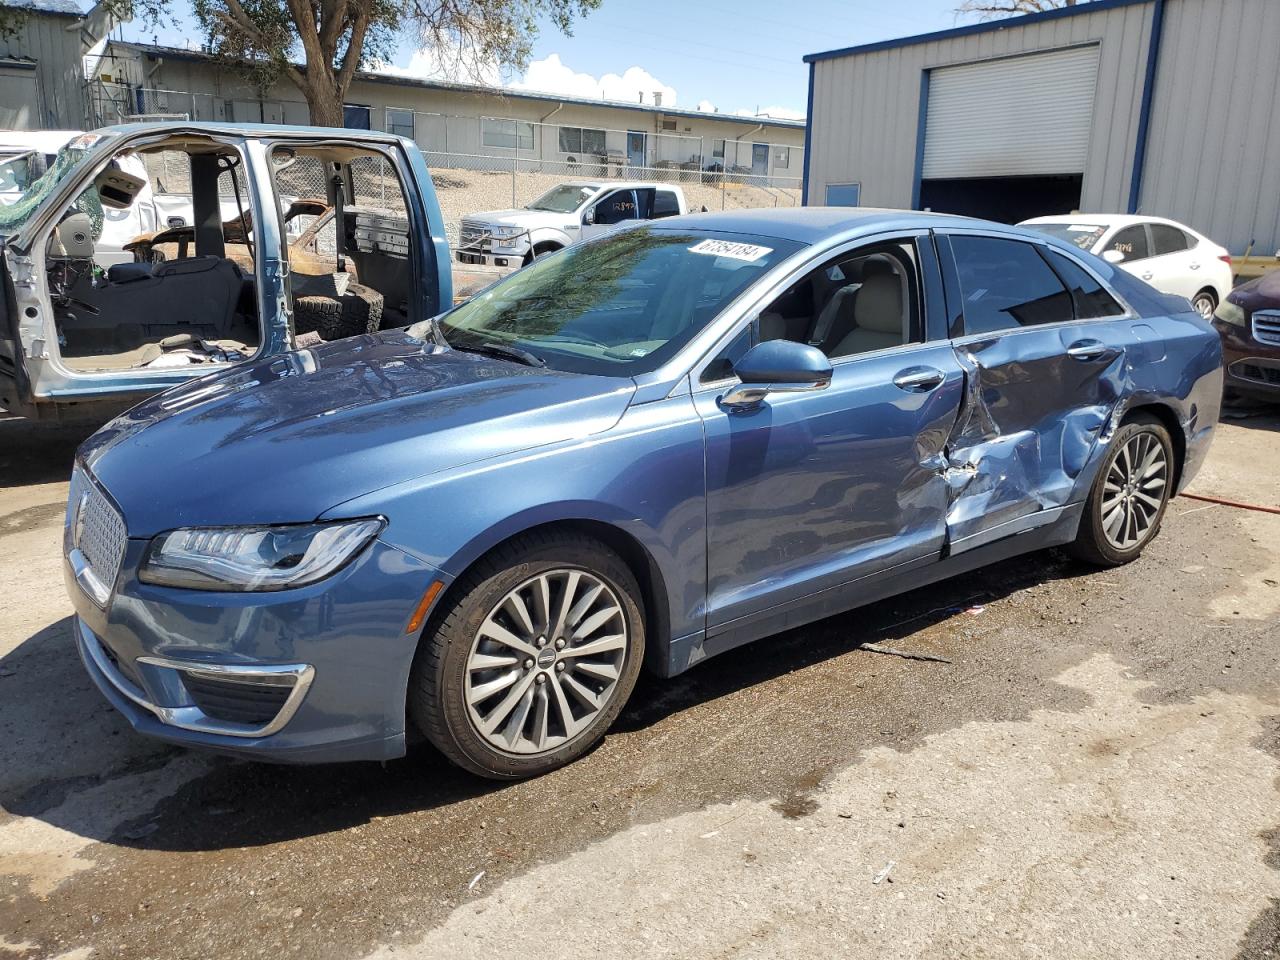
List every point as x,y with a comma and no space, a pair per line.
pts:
1094,774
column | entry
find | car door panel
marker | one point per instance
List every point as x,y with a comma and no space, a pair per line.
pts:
809,491
1036,400
1031,417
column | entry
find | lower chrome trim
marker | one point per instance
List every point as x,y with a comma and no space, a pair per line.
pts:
192,717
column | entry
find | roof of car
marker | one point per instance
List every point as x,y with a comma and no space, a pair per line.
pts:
811,224
1105,219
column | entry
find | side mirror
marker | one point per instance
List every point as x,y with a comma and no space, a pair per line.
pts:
777,366
1113,256
589,216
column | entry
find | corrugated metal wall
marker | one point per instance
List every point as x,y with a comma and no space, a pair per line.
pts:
1213,151
56,50
866,106
1213,156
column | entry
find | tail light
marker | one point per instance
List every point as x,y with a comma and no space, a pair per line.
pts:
1226,258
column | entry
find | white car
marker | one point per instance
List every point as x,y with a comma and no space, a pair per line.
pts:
563,215
1170,256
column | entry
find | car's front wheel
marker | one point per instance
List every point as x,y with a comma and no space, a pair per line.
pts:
1205,303
1129,496
533,658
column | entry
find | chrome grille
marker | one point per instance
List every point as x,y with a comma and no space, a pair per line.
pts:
471,234
95,536
1266,326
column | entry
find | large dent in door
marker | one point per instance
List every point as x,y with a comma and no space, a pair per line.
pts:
1009,461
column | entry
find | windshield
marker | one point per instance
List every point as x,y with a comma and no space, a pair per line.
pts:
19,206
1083,235
618,306
563,199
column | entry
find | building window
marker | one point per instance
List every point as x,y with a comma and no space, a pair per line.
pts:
579,140
717,149
782,156
400,122
668,124
507,134
355,116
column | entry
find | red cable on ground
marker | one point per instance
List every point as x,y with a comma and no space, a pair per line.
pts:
1231,503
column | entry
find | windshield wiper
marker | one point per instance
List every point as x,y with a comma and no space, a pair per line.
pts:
503,351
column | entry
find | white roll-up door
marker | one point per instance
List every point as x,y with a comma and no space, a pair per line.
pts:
1020,116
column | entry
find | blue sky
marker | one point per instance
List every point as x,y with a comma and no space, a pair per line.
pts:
733,55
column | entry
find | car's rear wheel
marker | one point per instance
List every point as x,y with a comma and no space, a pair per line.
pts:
1129,496
1205,303
533,658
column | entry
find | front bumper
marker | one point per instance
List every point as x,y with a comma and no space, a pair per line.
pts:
313,675
1249,366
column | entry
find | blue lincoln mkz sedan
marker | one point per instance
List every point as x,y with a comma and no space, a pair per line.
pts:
649,449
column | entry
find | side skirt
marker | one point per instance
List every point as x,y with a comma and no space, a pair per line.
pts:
689,651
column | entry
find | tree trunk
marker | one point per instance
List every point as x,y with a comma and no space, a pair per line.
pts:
325,105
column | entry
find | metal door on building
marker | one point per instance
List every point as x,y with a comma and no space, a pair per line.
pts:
636,148
760,159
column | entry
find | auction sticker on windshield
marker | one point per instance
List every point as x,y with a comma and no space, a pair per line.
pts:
748,252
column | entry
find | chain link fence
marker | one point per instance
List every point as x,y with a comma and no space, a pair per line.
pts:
488,163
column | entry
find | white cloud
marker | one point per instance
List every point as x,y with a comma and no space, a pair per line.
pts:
552,75
705,106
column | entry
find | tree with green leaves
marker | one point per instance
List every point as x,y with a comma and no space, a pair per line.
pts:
320,44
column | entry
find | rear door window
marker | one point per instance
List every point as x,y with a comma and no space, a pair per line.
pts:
1131,243
1167,239
1090,298
665,204
1006,284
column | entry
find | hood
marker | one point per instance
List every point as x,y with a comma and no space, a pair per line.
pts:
523,218
1261,293
283,440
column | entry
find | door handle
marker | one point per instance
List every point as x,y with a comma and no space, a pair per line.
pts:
1195,266
1086,350
1148,275
919,379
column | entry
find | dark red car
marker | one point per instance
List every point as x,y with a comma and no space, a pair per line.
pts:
1249,323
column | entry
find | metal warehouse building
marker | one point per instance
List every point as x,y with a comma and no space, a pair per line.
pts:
1165,107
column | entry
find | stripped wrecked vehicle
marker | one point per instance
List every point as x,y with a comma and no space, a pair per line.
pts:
653,447
84,333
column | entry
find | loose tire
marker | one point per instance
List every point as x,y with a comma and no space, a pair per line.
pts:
1205,302
357,311
1129,495
532,659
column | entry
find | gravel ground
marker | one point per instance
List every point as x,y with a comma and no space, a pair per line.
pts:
1094,774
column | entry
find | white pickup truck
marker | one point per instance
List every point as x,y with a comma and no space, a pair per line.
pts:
561,216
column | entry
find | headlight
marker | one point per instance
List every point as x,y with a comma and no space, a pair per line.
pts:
254,558
1231,313
507,232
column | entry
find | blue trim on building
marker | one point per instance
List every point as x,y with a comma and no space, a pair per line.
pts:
1025,20
808,139
1144,111
921,127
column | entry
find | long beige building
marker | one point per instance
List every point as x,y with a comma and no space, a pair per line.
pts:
460,120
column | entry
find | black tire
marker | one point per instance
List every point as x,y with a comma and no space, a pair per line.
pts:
437,684
1092,543
1205,302
357,311
541,250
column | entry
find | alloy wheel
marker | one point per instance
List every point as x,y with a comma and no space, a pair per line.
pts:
1203,305
1134,491
545,661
